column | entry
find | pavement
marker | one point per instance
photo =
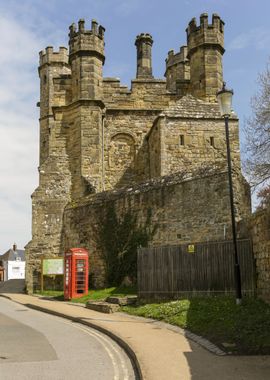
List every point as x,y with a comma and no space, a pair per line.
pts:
157,351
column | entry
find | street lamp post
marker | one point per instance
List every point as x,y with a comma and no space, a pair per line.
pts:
224,98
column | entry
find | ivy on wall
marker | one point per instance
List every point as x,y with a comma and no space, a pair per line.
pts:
118,239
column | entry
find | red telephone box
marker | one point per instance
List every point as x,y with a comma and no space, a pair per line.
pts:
75,273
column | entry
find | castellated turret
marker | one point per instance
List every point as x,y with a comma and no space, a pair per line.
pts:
177,70
144,43
205,49
86,57
52,65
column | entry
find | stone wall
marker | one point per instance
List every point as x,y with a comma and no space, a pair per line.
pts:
48,203
126,156
260,231
190,134
184,208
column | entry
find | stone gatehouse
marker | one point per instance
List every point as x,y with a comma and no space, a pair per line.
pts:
159,144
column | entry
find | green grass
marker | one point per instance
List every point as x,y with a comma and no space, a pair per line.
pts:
56,294
94,295
246,328
101,294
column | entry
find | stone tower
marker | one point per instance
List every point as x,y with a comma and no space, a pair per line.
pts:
86,59
205,49
177,70
51,65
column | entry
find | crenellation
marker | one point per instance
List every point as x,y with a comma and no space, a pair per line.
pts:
177,71
204,20
81,24
72,30
174,58
192,26
205,49
49,56
101,141
217,23
94,27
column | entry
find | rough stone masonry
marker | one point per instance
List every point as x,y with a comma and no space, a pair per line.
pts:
159,145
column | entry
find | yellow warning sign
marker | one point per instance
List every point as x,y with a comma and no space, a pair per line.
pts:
191,248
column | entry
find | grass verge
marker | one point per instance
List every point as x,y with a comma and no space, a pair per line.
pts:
93,295
55,294
101,294
242,329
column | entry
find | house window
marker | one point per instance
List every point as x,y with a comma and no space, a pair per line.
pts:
182,140
212,141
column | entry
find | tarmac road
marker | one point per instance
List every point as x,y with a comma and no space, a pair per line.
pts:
34,345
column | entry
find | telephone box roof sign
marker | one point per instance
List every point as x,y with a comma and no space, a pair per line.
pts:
77,251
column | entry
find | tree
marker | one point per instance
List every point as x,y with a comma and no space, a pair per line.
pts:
263,196
257,128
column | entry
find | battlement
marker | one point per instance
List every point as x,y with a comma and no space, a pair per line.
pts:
49,56
96,30
217,25
205,33
83,41
174,58
205,49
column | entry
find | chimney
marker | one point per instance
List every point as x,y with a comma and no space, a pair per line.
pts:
14,247
144,43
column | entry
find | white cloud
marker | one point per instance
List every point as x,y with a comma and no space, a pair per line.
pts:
257,38
19,91
126,7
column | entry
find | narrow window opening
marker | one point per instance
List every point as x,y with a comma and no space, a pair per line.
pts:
212,141
182,140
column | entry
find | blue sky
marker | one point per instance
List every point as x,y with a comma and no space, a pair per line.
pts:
28,26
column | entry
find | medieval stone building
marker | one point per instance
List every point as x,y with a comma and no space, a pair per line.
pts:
159,145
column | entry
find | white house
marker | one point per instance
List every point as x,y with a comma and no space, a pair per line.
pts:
13,264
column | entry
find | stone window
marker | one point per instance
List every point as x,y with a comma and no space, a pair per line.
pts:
182,140
212,141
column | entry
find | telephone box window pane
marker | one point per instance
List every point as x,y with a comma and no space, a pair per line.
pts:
80,275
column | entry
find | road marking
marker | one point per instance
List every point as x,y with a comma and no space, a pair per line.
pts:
103,340
114,347
110,346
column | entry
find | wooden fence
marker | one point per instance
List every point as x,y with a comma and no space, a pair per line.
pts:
204,268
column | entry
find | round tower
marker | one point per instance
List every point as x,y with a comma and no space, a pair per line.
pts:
86,57
205,49
144,43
